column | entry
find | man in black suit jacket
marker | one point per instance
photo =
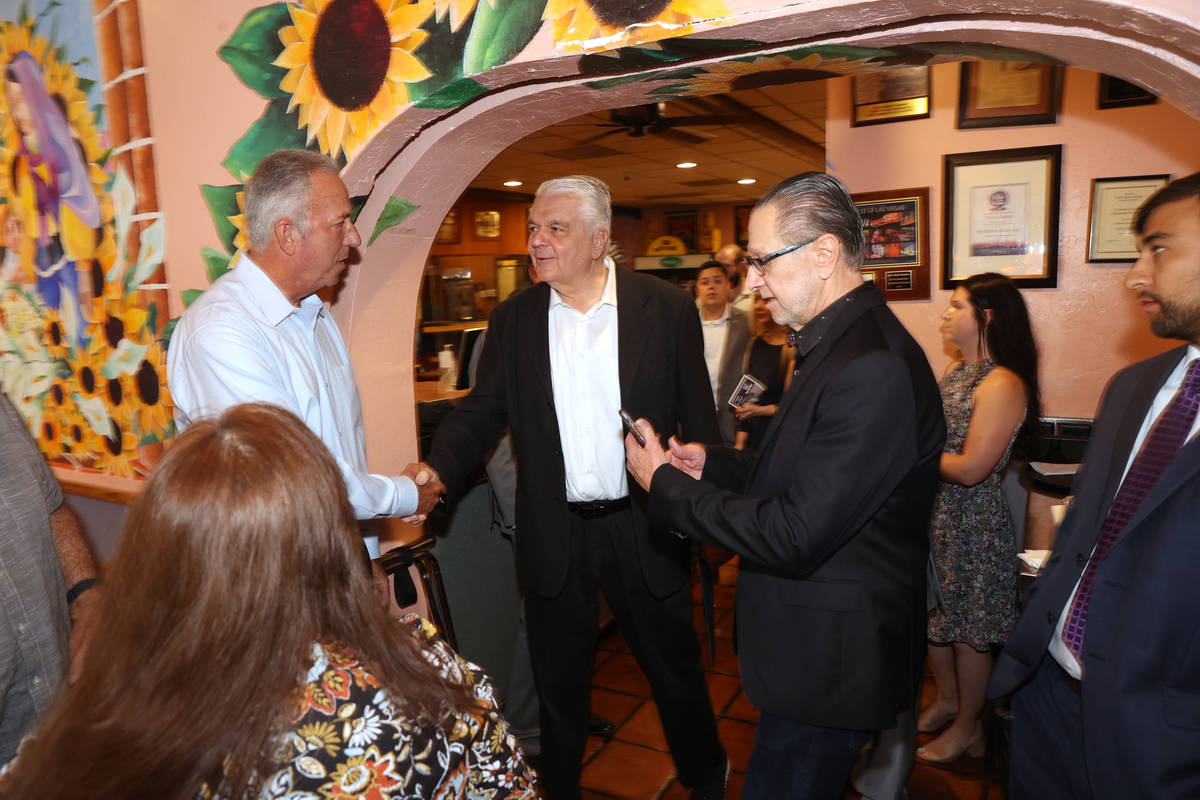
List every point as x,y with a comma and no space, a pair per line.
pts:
561,359
1117,714
830,517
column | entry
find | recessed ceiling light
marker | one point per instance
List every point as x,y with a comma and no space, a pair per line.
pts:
512,183
686,164
747,181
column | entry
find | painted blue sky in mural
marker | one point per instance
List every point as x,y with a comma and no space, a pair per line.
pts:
68,23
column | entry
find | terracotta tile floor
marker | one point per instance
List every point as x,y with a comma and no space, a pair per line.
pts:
635,764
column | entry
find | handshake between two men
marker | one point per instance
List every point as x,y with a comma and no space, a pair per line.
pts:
430,490
641,460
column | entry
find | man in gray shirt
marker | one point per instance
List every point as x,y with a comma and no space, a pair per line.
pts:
42,553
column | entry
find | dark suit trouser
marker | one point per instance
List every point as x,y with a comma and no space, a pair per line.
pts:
562,642
1047,738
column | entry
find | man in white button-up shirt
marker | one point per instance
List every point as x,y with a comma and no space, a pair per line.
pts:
561,359
261,334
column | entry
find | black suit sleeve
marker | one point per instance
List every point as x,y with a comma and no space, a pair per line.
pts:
853,457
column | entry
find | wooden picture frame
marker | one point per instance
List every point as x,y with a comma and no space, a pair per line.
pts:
892,95
1113,207
1116,93
995,94
683,225
487,225
1000,214
741,225
450,231
896,229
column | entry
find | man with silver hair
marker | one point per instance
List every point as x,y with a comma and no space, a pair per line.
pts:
561,359
830,515
261,333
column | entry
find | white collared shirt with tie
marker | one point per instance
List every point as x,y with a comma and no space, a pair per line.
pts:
1058,648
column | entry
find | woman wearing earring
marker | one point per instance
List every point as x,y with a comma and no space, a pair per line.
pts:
989,394
769,359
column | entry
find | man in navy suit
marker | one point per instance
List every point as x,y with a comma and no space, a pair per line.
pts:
1105,659
561,359
831,516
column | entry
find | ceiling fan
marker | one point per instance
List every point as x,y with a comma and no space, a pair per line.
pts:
651,119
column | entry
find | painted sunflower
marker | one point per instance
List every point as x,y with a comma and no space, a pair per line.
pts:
591,25
349,63
151,399
118,450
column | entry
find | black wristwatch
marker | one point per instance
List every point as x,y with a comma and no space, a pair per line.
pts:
79,588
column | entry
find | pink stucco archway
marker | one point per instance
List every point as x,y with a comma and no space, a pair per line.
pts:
1155,43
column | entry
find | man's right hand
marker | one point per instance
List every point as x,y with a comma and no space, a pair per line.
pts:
429,490
687,458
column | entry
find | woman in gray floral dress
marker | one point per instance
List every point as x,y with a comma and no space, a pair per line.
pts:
989,395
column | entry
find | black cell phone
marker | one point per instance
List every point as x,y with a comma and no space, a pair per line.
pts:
627,421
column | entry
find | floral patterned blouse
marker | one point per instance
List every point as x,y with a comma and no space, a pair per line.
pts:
347,741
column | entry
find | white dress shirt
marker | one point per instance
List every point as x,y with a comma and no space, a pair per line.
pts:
587,395
714,331
744,301
1058,648
242,342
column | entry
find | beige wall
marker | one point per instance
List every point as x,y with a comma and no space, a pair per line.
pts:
1089,326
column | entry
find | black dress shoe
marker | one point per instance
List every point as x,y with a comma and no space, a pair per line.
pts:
713,787
599,726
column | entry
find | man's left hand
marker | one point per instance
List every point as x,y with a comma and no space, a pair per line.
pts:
643,461
84,616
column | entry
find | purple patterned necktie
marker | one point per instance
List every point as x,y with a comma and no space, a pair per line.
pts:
1167,436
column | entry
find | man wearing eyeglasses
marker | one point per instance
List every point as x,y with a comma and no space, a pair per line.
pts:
830,517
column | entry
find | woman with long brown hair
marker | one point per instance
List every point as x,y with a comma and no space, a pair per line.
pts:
242,652
769,360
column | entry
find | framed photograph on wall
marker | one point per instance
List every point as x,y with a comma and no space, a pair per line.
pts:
741,225
994,94
896,229
1114,204
1116,93
682,225
487,224
449,232
1001,215
890,96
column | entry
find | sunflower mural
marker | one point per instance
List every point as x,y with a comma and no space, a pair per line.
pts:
80,355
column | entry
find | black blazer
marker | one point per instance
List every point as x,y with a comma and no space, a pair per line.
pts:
663,378
831,520
1141,657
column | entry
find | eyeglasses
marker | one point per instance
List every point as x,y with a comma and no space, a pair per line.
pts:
760,264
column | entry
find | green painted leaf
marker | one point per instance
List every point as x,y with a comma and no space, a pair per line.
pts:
394,212
124,360
274,130
498,34
189,296
151,252
169,329
222,204
454,95
216,263
253,47
442,55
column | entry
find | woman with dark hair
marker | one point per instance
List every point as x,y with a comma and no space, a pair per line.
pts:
769,360
990,395
241,651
